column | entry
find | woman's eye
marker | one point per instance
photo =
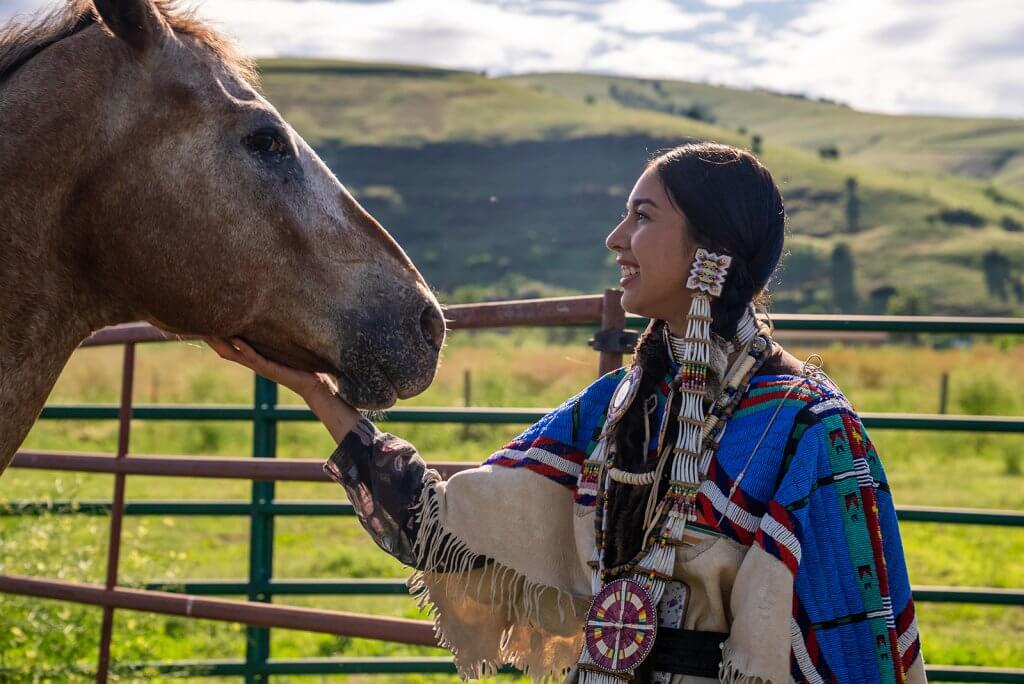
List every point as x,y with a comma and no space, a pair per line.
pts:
267,141
641,216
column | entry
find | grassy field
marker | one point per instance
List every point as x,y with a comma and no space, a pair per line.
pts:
39,638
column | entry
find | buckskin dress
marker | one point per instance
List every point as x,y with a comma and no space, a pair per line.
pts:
803,567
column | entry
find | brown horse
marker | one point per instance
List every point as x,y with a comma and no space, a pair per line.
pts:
142,177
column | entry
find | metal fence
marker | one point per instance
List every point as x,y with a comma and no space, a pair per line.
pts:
198,599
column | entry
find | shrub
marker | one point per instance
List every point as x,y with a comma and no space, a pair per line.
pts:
1011,224
828,152
959,217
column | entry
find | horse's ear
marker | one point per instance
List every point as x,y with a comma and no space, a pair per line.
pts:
137,22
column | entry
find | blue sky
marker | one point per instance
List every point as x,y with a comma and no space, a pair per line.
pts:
960,57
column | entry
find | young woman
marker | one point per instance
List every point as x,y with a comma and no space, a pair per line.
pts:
713,512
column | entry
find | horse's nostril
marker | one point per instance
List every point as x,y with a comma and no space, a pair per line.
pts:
432,325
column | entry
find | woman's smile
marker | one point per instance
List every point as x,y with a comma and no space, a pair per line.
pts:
629,273
653,251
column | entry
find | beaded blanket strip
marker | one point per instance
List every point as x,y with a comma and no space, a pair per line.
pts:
689,459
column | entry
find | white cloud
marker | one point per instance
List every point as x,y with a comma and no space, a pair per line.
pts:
655,57
900,56
653,16
466,34
730,4
946,56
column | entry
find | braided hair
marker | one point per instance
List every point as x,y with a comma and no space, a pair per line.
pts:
731,205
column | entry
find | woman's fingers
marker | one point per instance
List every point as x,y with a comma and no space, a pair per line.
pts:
250,356
238,350
223,348
235,349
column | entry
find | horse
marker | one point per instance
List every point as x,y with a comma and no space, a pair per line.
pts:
144,177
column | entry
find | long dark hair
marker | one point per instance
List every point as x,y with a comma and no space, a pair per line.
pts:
731,205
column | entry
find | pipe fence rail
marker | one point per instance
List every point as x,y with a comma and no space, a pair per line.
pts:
202,598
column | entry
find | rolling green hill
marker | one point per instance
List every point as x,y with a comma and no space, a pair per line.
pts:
982,148
508,186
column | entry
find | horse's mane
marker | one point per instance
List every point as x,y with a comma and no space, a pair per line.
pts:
21,41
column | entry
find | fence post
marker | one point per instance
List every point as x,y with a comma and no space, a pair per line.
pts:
613,316
261,528
943,391
124,420
467,399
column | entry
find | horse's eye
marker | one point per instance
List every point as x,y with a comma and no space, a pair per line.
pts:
267,141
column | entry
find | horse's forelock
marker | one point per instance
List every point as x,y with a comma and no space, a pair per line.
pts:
20,41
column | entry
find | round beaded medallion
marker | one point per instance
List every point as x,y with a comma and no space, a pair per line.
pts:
623,396
621,626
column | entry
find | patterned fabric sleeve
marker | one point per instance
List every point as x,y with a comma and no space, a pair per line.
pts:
833,524
557,444
384,478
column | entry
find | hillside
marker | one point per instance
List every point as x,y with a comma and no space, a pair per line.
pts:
982,148
508,186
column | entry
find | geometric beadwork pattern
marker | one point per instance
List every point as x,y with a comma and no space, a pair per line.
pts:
621,626
708,272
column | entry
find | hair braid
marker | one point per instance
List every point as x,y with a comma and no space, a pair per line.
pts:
626,504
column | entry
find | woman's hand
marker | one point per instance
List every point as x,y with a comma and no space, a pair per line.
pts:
318,390
301,382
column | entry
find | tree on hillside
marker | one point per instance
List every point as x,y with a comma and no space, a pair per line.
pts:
852,206
996,266
844,291
1018,288
755,144
907,302
802,265
880,297
828,152
959,217
697,112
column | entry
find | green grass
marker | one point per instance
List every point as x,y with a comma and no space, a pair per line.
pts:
518,369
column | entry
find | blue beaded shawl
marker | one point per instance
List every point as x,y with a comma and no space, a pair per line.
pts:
815,497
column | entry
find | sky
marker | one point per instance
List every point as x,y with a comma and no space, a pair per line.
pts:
956,57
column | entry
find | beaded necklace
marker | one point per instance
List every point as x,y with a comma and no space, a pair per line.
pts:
622,622
745,367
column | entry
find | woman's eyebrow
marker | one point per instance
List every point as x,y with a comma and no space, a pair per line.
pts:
640,201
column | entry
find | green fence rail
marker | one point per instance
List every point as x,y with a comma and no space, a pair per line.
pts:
262,508
485,416
961,516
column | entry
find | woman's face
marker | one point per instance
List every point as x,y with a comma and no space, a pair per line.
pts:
654,252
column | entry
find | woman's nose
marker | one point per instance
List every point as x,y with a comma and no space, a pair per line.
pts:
616,239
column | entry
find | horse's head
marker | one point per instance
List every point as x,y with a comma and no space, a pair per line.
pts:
208,214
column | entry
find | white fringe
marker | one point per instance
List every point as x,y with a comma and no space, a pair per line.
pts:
731,673
521,598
